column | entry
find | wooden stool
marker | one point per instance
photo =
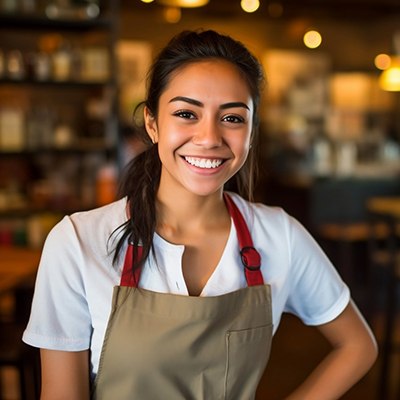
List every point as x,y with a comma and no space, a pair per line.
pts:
339,241
14,353
385,255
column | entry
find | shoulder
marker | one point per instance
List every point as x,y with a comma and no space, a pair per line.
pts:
88,230
109,214
102,221
262,216
274,227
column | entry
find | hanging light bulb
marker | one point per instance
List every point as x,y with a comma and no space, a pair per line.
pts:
389,79
250,5
147,1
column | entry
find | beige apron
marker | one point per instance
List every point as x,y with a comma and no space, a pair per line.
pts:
166,346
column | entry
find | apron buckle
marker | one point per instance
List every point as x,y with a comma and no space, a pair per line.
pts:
250,258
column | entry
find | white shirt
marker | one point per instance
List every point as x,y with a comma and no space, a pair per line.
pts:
75,281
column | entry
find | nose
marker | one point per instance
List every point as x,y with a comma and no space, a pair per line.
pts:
208,135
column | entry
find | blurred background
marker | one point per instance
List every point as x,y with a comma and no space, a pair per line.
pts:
71,74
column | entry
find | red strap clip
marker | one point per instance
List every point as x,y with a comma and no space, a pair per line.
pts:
251,258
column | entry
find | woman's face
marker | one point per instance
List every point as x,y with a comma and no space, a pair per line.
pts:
203,127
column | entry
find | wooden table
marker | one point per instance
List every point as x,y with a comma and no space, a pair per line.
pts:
17,265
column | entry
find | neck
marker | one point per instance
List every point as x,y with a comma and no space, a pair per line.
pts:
185,212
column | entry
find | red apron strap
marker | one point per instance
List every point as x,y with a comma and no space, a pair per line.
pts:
129,278
251,259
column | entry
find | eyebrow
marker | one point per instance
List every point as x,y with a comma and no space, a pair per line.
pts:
197,103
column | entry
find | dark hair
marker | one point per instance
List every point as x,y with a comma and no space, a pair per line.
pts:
142,175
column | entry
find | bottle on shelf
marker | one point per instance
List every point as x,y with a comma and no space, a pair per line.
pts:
41,66
106,184
62,62
64,135
15,65
12,129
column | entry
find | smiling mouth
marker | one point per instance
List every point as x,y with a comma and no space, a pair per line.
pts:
206,163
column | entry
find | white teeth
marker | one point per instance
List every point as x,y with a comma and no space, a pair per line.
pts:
203,162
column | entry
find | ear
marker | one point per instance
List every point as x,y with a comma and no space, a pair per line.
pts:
151,125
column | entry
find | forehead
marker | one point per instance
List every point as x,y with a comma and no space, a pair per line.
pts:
210,74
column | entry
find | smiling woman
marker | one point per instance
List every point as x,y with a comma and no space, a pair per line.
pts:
175,290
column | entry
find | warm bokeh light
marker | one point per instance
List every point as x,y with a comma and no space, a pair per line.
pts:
312,39
172,15
382,61
390,78
250,5
147,1
184,3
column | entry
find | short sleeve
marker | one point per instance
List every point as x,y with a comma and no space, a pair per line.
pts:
317,293
60,318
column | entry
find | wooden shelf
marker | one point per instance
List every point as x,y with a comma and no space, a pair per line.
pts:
81,148
46,209
59,84
41,22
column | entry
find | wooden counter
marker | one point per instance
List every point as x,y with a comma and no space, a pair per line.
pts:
389,206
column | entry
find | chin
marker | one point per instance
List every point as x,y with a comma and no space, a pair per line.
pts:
203,191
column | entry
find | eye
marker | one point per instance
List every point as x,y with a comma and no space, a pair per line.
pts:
234,119
185,114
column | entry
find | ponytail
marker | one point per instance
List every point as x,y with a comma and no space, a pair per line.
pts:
139,185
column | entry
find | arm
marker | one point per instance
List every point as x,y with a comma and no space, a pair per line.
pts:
65,375
354,352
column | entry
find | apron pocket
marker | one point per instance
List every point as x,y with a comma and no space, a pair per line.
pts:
247,356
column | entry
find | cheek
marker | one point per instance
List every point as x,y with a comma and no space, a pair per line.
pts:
169,140
241,144
173,136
